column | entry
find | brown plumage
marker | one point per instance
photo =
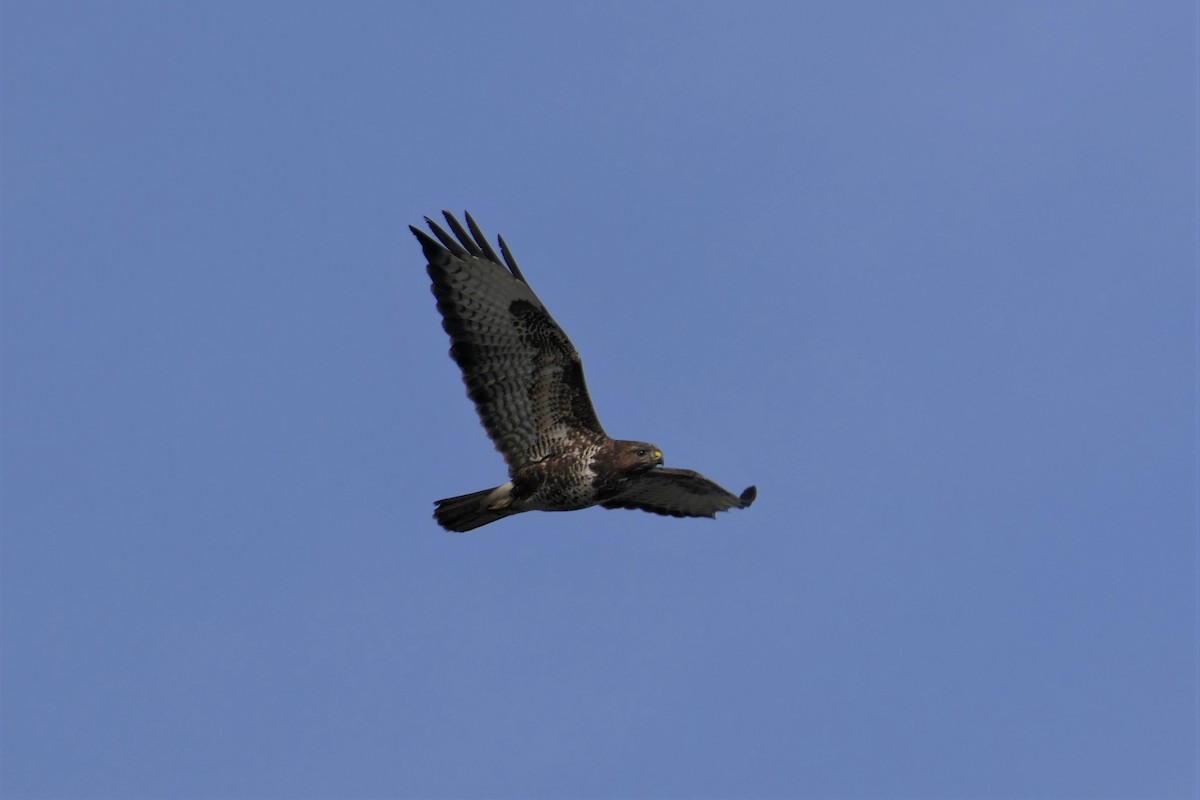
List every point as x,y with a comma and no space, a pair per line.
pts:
526,380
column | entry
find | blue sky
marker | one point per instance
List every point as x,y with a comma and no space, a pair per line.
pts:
926,273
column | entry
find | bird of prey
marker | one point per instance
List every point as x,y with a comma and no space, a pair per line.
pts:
526,380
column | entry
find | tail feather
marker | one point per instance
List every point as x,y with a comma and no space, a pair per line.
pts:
470,511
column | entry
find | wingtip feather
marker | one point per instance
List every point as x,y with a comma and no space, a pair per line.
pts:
430,247
448,241
464,238
510,261
480,239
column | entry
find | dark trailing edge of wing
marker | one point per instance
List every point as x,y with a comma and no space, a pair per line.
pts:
472,243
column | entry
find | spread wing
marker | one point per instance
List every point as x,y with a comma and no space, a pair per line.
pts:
679,493
519,366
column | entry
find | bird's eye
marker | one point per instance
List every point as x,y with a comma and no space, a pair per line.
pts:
641,452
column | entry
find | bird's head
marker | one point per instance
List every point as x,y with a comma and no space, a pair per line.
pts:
638,456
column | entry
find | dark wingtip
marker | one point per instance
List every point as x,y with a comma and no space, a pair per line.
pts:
432,249
449,243
748,496
510,261
480,239
464,238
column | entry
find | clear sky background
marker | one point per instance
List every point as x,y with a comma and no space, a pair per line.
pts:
923,272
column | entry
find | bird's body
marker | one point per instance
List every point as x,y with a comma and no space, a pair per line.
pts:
526,380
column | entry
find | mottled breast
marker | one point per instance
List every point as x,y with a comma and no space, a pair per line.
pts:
559,482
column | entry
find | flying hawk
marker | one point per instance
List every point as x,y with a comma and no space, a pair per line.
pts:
527,383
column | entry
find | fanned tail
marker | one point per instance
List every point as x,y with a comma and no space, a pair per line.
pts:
470,511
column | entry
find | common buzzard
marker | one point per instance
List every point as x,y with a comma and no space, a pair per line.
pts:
527,383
